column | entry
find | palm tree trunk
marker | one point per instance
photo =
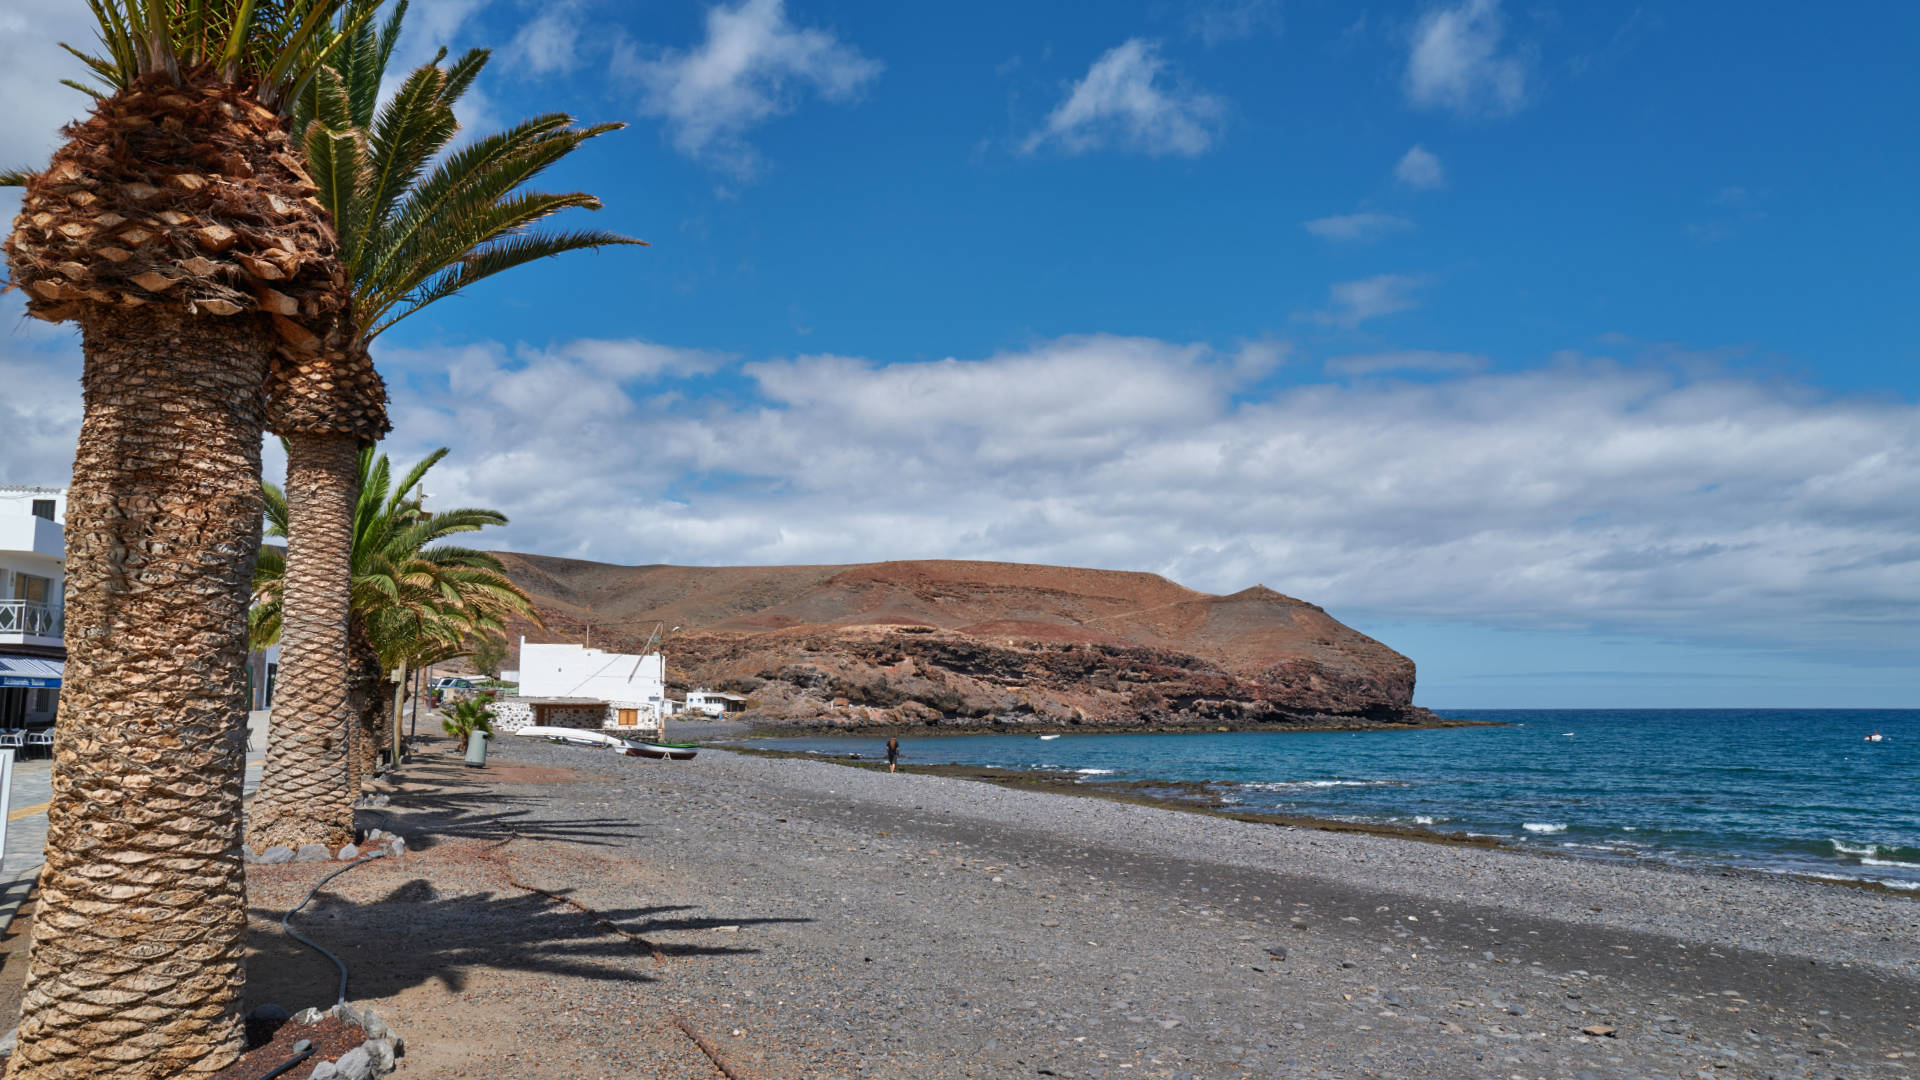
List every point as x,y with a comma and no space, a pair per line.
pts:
304,797
136,967
369,706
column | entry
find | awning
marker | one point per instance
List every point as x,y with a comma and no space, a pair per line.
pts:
30,671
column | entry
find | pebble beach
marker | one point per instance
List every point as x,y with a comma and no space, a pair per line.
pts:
572,913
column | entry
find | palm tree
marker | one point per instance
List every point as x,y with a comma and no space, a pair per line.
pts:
412,598
174,215
412,232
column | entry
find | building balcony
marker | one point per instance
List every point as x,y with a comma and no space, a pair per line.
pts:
27,623
26,533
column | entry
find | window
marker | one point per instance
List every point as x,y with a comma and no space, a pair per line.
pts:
29,588
43,508
42,701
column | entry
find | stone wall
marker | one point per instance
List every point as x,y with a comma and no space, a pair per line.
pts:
510,715
585,717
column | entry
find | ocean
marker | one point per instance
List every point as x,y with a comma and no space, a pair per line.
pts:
1792,791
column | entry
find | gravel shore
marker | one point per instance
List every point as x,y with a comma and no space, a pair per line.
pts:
812,920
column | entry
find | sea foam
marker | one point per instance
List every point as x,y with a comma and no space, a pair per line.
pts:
1543,827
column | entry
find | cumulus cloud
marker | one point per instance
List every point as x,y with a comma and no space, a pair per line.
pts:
1354,227
1585,494
1456,62
753,65
1405,360
40,403
37,105
1124,102
549,41
1420,168
1350,303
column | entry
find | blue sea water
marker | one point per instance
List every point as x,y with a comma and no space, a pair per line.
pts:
1782,790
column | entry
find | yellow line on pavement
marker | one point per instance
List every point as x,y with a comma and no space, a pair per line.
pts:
28,811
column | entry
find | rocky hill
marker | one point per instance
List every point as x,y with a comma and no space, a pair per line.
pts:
957,645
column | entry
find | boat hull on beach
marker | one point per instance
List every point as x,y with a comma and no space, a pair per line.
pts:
605,741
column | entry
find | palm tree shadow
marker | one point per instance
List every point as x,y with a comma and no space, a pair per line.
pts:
416,934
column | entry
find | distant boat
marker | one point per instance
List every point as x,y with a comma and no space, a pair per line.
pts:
1875,737
1044,738
1566,734
660,751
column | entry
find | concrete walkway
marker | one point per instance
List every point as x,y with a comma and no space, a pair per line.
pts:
27,818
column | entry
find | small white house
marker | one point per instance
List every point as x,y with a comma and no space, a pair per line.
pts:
714,702
574,686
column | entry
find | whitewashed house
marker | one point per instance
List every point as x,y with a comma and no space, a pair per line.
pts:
714,702
574,686
33,554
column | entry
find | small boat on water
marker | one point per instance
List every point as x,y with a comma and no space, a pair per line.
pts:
1875,737
1044,738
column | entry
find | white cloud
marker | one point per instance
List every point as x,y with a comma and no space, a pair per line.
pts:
36,104
40,402
1420,168
1585,494
1350,303
1124,102
1354,227
1217,22
1456,62
752,66
549,41
1406,360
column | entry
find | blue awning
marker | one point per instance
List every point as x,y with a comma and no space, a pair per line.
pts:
31,672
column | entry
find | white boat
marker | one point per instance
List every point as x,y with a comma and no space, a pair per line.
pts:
1875,737
609,741
574,736
1044,738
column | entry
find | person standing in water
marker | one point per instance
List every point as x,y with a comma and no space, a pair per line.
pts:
893,752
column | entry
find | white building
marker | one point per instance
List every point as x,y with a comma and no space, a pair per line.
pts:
714,703
33,555
574,686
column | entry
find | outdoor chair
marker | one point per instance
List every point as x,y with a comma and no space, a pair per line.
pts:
13,738
41,739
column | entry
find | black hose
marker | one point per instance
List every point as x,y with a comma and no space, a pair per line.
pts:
316,946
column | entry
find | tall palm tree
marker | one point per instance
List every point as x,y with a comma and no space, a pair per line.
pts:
412,232
173,217
413,598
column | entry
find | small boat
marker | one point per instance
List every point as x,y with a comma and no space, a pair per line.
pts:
659,751
572,736
1044,738
1875,737
1566,734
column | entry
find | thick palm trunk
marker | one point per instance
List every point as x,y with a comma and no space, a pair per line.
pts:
135,969
304,795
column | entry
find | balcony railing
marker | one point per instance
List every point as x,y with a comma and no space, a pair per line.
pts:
23,617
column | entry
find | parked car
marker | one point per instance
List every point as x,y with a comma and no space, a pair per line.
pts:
451,682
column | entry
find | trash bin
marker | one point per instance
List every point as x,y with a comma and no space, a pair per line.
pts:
477,750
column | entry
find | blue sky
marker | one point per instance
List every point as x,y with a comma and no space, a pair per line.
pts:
1570,349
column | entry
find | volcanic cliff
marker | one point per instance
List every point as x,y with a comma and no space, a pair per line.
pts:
957,645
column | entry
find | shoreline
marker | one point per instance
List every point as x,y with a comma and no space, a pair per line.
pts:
762,730
1204,803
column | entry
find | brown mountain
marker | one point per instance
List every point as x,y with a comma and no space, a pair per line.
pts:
980,644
